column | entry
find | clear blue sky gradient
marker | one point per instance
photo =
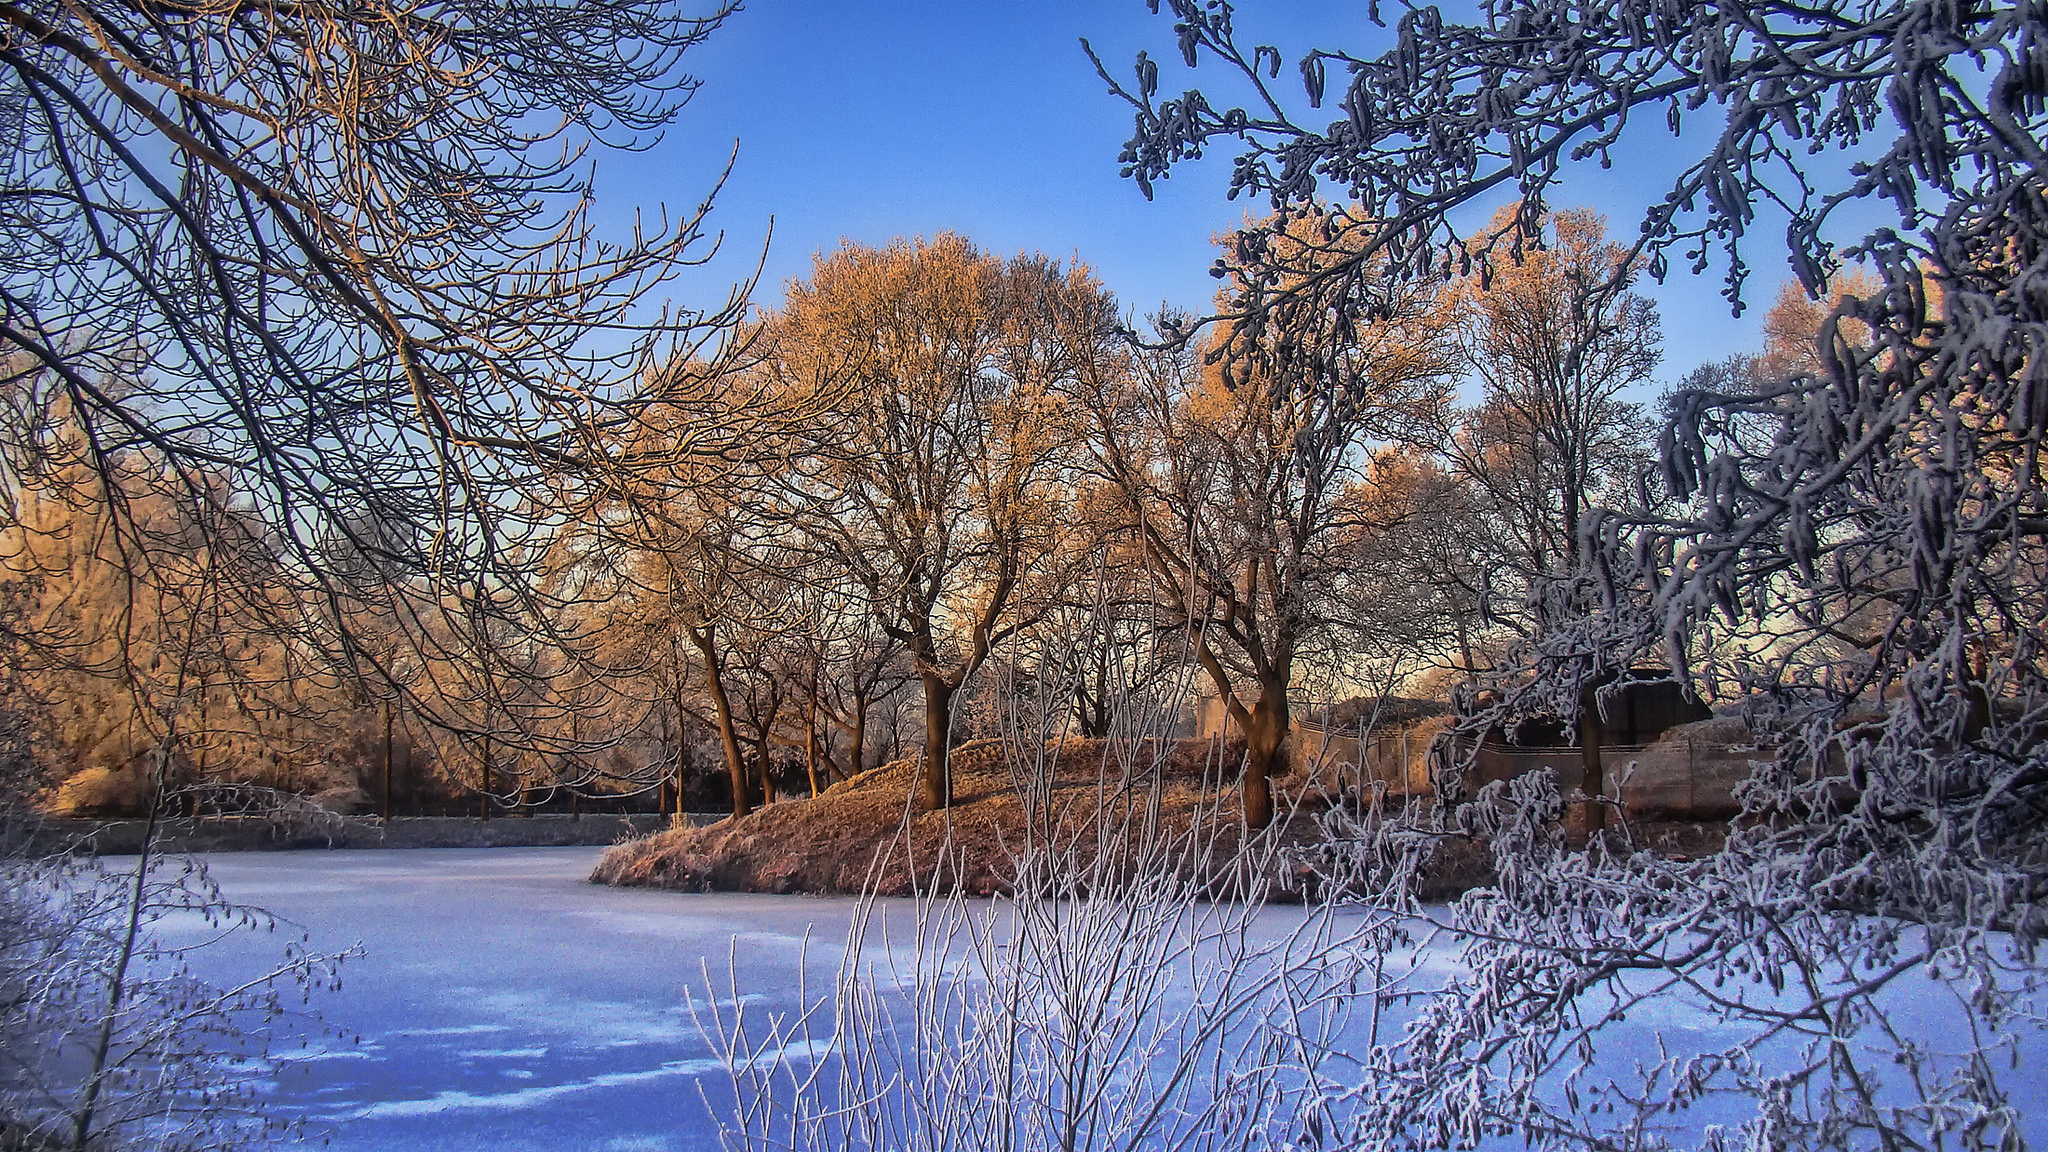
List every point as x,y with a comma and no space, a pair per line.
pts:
867,120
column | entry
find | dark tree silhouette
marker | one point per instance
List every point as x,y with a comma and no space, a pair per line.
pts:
342,255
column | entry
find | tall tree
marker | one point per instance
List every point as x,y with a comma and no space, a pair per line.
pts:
1095,649
939,472
1554,350
1237,469
669,551
1424,567
152,652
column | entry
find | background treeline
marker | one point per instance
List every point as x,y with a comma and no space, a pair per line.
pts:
934,483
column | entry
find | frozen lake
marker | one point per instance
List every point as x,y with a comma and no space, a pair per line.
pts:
503,1003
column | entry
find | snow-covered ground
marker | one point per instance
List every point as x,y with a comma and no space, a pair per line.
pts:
503,1003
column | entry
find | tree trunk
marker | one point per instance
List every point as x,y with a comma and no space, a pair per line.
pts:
811,735
385,807
100,1067
199,775
1594,785
858,738
728,737
761,766
935,779
1090,711
1265,727
1571,526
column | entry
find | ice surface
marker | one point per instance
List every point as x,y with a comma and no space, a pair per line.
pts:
503,1003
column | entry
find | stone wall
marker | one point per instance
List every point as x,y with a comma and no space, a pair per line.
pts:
1395,758
1690,773
235,834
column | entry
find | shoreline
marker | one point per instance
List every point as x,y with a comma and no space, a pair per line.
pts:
255,834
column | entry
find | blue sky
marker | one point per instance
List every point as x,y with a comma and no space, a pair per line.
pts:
872,119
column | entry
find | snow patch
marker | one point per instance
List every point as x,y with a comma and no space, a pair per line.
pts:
455,1030
442,1103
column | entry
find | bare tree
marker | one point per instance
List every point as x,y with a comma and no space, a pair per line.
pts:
672,548
1095,643
1554,351
343,261
1426,570
1410,599
1237,474
840,664
174,608
936,473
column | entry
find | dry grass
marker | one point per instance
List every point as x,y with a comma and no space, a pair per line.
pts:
1073,796
860,835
